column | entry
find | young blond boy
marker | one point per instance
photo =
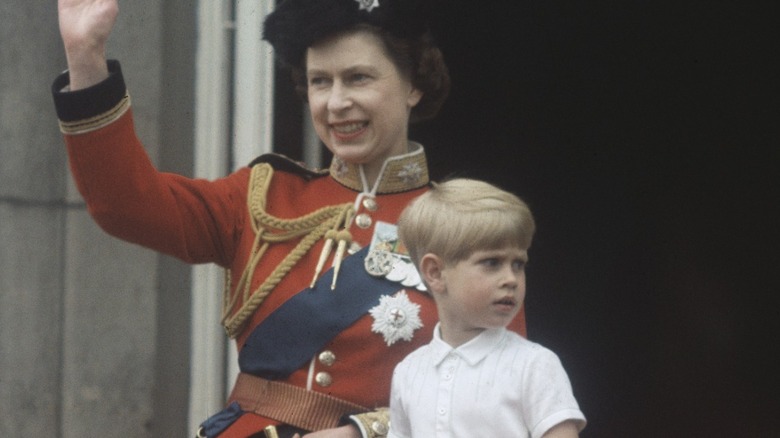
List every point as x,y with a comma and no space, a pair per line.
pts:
470,243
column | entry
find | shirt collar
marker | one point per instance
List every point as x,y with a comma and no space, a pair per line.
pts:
472,351
400,173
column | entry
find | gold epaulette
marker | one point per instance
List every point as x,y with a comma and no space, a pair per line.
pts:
287,164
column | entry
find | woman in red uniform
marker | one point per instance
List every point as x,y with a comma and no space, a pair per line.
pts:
321,299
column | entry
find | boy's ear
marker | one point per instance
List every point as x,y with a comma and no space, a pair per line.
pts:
432,272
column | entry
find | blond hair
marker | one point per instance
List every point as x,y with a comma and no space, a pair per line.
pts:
460,216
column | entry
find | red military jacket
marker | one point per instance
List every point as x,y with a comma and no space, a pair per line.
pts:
201,221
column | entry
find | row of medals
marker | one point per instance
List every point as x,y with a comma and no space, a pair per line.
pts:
379,261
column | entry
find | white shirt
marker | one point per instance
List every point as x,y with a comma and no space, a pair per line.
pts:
496,385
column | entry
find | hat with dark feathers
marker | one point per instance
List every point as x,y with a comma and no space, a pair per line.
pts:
295,25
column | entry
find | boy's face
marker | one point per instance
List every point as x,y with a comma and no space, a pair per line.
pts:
486,290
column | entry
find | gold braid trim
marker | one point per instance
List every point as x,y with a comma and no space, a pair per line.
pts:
99,121
268,230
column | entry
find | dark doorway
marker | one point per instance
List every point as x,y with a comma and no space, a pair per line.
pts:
640,133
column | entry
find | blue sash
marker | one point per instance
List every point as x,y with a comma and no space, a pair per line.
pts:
304,324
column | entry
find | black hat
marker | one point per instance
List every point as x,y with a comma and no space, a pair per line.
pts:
297,24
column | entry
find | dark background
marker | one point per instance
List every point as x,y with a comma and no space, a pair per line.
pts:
644,137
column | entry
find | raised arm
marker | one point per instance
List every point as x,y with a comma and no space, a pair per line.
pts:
85,26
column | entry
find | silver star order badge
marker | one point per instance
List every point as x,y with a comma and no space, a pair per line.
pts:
368,5
396,317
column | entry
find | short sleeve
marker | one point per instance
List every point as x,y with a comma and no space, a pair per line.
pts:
549,399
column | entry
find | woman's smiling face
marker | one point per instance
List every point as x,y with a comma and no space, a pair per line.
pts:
360,102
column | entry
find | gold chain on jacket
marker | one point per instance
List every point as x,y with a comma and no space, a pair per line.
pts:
270,229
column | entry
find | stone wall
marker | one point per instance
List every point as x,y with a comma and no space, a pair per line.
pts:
93,331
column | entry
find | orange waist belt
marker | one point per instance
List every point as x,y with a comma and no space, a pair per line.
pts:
290,404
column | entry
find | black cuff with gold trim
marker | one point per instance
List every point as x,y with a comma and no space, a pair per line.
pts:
89,102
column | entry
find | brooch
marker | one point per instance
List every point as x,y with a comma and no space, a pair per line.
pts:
396,317
368,5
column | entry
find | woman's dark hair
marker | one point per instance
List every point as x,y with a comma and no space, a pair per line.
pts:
419,58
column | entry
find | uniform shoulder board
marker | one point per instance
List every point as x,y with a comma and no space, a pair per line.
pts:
286,164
